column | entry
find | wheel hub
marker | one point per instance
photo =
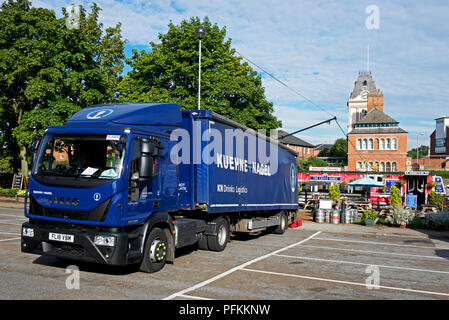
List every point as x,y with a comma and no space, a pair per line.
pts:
158,250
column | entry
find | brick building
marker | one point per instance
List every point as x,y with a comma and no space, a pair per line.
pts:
438,157
304,149
375,140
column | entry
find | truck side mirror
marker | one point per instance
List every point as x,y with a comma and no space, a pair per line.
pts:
35,144
146,167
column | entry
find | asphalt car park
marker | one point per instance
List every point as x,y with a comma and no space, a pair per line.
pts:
315,261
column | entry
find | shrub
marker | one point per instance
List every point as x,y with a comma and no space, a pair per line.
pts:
436,199
21,193
334,192
369,214
395,196
401,216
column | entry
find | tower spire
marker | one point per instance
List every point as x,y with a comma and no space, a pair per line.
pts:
367,60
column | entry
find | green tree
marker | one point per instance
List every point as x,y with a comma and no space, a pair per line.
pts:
305,163
395,197
423,152
169,73
334,192
49,71
339,149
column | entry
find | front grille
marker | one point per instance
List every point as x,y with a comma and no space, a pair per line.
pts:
98,214
61,226
65,249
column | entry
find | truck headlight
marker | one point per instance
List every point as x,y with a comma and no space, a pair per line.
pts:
104,241
28,232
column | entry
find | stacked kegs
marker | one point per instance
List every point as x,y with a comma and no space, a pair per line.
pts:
349,215
319,215
327,215
335,216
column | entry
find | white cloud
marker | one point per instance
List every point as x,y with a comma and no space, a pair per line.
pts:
317,48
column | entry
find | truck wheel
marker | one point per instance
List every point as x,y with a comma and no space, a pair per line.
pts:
156,249
221,239
282,227
202,243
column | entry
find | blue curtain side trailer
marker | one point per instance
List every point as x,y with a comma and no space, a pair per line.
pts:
129,183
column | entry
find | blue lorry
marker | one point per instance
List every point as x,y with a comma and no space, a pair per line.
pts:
130,183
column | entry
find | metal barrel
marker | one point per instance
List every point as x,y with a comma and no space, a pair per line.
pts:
355,215
335,216
327,215
346,216
319,216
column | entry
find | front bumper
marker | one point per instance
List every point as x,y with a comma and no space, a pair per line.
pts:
82,248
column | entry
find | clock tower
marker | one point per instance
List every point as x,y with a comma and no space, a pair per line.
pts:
358,100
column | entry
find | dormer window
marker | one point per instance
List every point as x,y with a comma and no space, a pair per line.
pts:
364,85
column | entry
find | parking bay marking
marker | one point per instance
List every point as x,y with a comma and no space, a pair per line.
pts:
9,223
360,263
382,243
13,215
240,267
375,252
344,282
9,239
15,234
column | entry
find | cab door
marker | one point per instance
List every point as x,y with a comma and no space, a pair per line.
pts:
144,189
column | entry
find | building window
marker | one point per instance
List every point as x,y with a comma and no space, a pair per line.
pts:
387,167
359,144
394,166
382,144
388,143
371,144
394,144
365,142
382,167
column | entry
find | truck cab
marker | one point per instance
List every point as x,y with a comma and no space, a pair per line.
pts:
97,180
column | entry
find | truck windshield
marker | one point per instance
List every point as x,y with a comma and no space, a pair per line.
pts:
82,156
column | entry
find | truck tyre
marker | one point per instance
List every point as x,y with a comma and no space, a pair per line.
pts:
219,241
282,227
155,254
202,243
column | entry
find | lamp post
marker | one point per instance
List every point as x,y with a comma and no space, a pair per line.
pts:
200,33
417,148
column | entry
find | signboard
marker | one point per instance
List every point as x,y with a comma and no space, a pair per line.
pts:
325,204
440,186
325,169
17,181
325,177
416,173
389,183
411,200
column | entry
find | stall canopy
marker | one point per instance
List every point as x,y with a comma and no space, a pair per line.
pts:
366,182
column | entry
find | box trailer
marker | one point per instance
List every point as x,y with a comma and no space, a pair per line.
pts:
129,183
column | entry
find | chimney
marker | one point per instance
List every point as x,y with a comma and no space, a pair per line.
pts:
375,100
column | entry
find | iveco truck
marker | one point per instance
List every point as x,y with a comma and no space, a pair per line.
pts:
130,183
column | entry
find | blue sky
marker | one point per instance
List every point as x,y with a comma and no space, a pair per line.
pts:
318,48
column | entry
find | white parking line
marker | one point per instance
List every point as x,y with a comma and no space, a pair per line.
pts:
345,282
193,297
9,223
12,215
381,243
360,263
16,234
9,239
206,282
19,219
375,252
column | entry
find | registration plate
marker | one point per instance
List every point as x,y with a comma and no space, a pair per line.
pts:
61,237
